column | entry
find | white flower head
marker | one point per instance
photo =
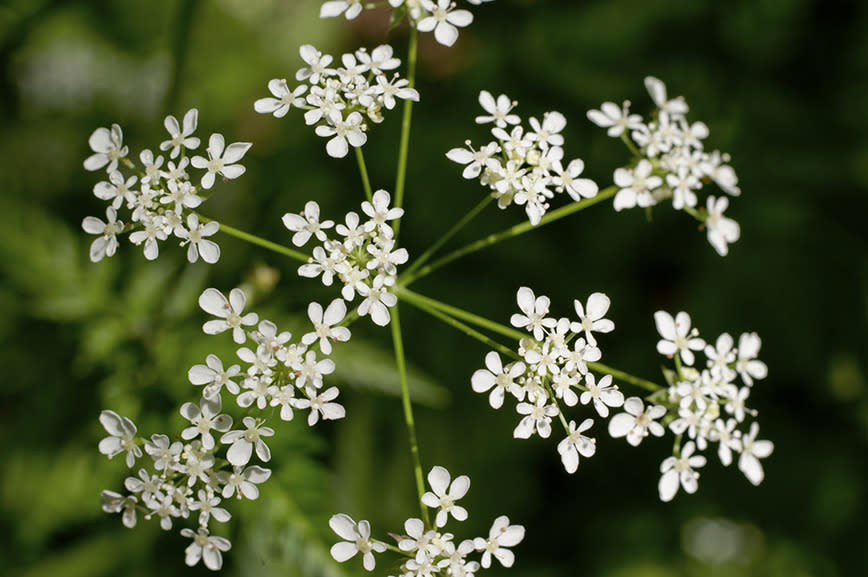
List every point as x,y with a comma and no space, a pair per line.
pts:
592,321
349,8
358,540
229,310
679,471
106,243
444,20
677,336
576,444
221,159
205,547
500,536
443,495
499,379
108,147
535,310
722,231
283,99
498,110
751,452
637,421
181,138
324,324
122,437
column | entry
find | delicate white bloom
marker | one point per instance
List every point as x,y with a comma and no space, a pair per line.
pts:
194,236
443,20
725,434
677,336
597,307
213,302
604,394
377,300
680,471
154,230
117,190
389,90
207,507
343,131
349,8
548,132
499,379
635,186
123,437
637,422
722,231
243,481
116,503
283,100
321,405
683,183
221,159
310,371
535,310
214,376
108,147
107,243
324,325
657,90
380,213
443,495
179,138
538,418
379,59
317,64
306,224
165,455
751,452
475,160
747,364
205,417
500,536
566,179
720,356
205,547
243,442
358,540
498,110
576,444
616,119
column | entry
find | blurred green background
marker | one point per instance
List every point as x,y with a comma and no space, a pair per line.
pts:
783,86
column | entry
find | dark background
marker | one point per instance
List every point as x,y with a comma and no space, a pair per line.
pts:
783,87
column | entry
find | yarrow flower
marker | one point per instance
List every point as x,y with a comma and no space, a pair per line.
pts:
523,166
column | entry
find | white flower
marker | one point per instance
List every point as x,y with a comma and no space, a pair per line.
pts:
221,159
358,540
324,325
475,160
443,20
243,481
349,8
107,243
499,379
350,130
310,371
214,376
379,213
576,444
181,138
683,183
680,471
747,364
306,224
657,90
547,133
615,118
500,536
443,495
566,179
498,111
535,310
116,189
207,507
115,503
377,300
108,147
163,454
151,167
321,405
635,186
243,442
283,100
317,62
204,420
722,231
388,90
637,422
205,547
194,237
720,356
538,418
604,394
677,336
597,307
751,452
123,437
213,302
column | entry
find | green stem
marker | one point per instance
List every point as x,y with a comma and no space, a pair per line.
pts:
408,410
180,45
508,233
449,234
253,239
360,158
625,377
405,127
630,146
423,304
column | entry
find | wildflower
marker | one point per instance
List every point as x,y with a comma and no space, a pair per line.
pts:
677,336
221,159
108,147
443,495
243,442
722,231
181,138
498,110
122,433
107,243
637,421
205,547
443,20
680,471
283,100
751,452
194,236
500,536
499,379
324,325
358,540
213,302
597,307
576,444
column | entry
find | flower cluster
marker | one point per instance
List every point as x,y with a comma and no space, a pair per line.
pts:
364,259
523,166
210,461
340,100
160,198
439,16
670,162
705,404
551,368
429,550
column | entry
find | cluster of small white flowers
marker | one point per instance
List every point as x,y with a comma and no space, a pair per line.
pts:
706,404
364,259
425,15
553,369
187,475
671,163
523,166
339,100
160,198
430,550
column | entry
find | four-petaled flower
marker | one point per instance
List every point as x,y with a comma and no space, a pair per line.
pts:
443,495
